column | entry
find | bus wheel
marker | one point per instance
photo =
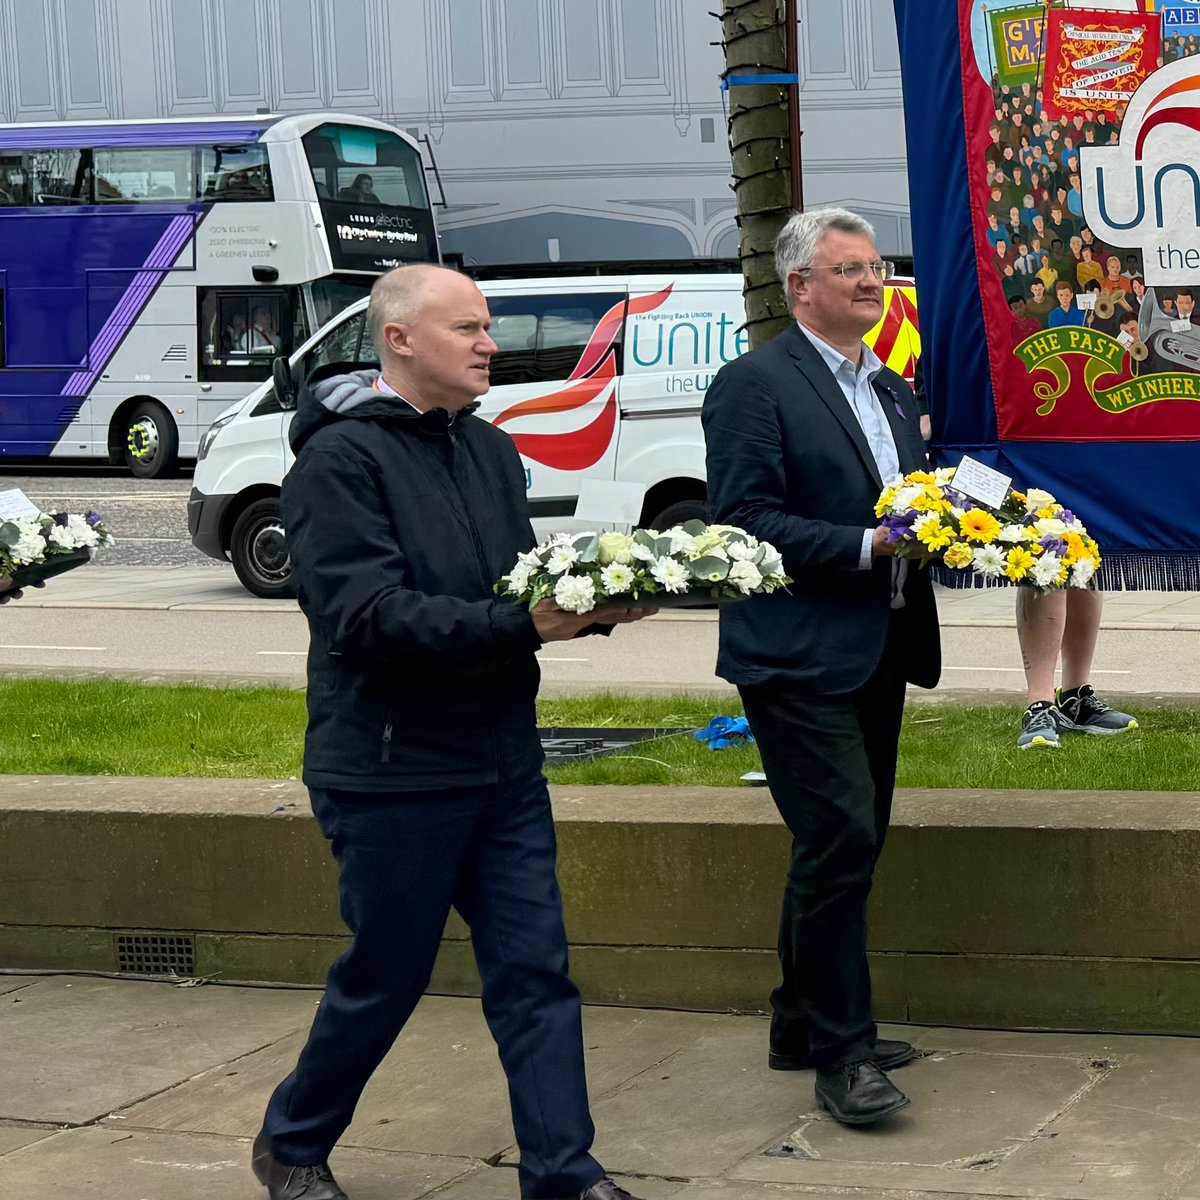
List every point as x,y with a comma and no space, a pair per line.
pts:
680,511
259,552
151,441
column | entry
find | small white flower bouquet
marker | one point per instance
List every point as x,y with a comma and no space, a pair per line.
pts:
36,548
688,565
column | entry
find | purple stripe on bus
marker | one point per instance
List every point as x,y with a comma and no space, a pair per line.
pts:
139,291
69,137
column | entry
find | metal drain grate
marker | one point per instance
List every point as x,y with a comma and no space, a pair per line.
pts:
156,953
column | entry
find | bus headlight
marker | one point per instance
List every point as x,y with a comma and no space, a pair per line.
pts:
210,435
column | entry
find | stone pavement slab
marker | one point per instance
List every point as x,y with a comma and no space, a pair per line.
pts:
162,1089
73,1049
105,1163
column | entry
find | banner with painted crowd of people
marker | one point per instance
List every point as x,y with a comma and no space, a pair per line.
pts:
1064,348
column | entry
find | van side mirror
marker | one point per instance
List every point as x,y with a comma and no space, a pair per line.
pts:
285,383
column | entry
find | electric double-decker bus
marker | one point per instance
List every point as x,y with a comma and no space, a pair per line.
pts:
150,271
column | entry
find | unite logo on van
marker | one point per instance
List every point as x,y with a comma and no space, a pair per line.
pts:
594,377
1145,190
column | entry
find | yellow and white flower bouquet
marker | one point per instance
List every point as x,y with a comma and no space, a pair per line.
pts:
688,565
1030,539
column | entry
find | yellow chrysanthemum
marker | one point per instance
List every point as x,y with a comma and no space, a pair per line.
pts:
931,533
959,555
884,503
921,477
978,526
1017,563
1051,510
1075,548
1019,497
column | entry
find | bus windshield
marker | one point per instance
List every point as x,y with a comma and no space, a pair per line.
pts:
370,184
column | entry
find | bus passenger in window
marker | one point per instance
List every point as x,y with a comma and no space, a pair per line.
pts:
261,337
360,191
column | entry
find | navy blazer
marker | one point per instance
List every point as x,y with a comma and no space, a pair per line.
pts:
788,461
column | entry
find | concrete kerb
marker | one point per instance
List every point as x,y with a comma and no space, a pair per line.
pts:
1041,910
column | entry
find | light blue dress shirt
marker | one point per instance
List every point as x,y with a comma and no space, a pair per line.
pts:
864,404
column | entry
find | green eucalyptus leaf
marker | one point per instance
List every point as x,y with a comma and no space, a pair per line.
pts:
10,535
710,569
587,546
694,527
642,538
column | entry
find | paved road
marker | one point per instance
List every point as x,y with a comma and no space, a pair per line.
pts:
199,622
190,616
148,517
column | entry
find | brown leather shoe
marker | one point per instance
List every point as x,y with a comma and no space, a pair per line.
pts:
286,1182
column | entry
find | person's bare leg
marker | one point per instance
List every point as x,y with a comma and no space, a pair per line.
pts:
1041,620
1082,629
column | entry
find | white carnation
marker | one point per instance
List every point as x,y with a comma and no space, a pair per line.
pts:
1045,571
575,593
904,498
617,578
745,577
1082,572
671,574
83,533
682,542
772,561
642,553
28,550
741,551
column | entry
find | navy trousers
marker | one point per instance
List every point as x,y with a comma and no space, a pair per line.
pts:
830,762
404,859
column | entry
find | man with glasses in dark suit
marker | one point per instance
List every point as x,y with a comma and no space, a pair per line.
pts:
802,435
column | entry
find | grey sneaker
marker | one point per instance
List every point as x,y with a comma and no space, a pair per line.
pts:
1040,724
1085,712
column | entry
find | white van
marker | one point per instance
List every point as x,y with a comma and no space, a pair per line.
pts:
597,378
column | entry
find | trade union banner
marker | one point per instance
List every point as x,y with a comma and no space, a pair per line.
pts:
1017,35
1056,242
1096,60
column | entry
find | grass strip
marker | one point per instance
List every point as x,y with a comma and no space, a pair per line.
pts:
109,727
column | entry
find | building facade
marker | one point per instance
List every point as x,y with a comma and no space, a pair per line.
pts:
562,130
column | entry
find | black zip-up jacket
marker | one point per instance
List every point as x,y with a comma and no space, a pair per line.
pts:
419,676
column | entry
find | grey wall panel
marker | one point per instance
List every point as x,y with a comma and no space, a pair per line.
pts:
597,124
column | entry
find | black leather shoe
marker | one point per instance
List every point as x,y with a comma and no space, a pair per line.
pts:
858,1094
604,1190
285,1182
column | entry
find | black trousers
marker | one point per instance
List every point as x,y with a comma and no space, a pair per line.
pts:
830,762
404,859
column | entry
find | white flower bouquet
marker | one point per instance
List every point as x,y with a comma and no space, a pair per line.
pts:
36,548
688,565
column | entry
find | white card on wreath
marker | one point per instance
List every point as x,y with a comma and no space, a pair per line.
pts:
609,503
14,504
981,483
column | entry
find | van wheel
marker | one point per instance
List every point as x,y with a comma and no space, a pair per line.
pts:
680,511
149,441
259,552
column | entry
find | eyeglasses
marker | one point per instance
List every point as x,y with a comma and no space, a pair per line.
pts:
856,271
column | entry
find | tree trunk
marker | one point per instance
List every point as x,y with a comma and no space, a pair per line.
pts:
759,140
